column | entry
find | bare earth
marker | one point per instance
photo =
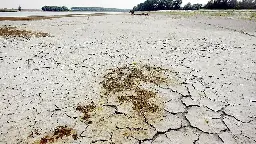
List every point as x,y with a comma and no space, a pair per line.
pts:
211,98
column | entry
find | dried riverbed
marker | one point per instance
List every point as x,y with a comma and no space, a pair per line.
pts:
128,79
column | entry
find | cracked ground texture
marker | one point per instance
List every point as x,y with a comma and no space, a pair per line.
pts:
210,99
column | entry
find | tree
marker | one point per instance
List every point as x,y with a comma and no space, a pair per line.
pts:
153,5
54,8
231,4
64,8
177,4
197,6
188,6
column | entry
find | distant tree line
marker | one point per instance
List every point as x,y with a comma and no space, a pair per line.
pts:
189,6
98,9
231,4
8,10
54,8
154,5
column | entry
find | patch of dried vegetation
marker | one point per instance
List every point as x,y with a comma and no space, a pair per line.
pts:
8,31
86,110
126,82
59,133
128,77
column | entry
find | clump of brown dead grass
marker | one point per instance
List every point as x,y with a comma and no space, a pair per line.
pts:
86,110
8,31
140,99
59,133
126,82
128,77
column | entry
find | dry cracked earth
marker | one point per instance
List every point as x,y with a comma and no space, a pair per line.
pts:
155,79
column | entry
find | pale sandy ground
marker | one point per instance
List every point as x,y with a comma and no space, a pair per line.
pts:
215,59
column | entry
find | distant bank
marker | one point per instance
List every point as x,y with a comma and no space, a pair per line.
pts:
65,9
50,13
98,9
91,9
8,10
16,10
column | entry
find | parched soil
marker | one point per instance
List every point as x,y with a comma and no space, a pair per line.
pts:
128,79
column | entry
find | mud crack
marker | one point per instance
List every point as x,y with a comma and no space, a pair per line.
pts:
134,107
129,107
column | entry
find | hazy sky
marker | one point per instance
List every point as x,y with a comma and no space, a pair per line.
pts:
69,3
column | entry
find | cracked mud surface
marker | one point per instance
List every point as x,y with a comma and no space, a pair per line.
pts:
125,79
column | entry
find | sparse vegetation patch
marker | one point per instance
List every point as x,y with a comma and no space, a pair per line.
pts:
59,133
86,110
126,82
8,31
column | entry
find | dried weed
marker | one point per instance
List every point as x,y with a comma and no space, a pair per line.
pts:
86,110
8,32
59,133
